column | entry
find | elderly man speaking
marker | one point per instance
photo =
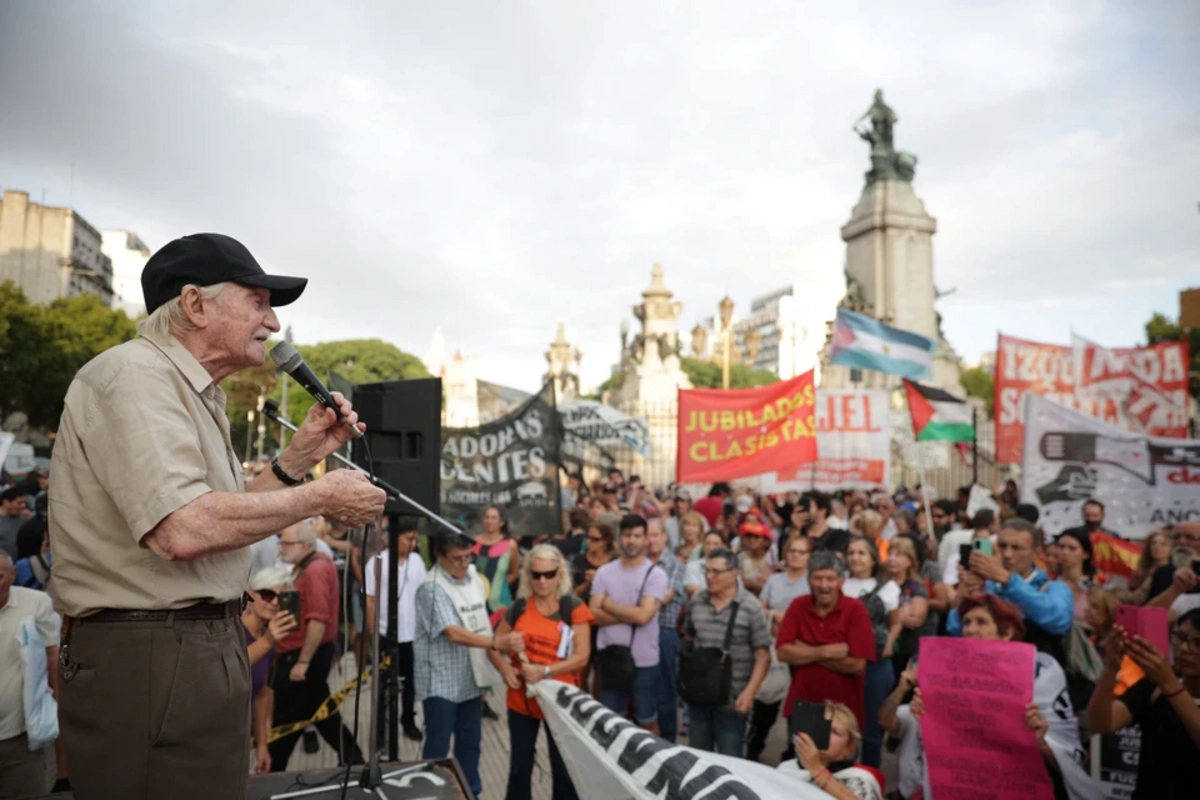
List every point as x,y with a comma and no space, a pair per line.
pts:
151,521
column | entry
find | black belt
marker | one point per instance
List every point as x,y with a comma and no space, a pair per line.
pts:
231,608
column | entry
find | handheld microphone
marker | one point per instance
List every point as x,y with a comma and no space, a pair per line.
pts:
290,361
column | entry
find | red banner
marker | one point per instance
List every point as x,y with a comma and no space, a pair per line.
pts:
1142,389
736,433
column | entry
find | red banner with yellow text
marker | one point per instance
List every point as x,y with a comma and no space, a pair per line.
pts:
737,433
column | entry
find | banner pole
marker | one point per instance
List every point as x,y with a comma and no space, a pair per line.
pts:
974,446
925,490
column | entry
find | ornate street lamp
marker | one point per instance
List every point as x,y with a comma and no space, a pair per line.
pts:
730,353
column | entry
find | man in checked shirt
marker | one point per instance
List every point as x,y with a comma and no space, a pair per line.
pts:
668,618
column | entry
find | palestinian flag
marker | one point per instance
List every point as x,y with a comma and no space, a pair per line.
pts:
938,416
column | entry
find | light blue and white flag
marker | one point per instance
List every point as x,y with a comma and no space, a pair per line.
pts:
864,343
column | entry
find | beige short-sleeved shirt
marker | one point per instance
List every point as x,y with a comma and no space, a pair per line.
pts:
143,433
22,604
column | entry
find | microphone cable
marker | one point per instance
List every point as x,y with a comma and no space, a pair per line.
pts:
362,596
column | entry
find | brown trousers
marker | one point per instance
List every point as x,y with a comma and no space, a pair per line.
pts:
151,710
22,772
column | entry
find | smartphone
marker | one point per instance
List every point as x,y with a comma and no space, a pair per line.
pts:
1148,622
289,601
964,555
810,718
984,546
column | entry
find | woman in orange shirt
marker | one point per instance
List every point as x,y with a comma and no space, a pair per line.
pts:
558,644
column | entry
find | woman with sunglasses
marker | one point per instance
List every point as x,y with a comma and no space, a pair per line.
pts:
265,625
558,643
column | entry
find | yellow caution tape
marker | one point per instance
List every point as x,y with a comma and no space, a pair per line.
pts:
330,706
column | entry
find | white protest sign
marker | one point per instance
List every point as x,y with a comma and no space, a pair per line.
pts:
854,445
1144,482
6,441
599,424
610,757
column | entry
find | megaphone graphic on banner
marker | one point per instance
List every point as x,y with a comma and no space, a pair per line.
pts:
1136,456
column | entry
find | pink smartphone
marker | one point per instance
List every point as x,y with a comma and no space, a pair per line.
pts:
1148,622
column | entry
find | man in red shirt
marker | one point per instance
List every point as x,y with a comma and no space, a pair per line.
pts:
305,656
710,507
828,639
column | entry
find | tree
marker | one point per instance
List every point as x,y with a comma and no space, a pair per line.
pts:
357,360
1160,328
42,347
979,383
707,375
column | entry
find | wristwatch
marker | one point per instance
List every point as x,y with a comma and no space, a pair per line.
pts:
546,677
284,478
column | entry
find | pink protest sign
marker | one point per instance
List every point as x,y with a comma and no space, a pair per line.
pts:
977,744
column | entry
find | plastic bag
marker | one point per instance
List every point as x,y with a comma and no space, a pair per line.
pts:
41,709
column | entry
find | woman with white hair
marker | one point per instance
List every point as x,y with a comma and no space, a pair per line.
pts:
265,625
558,644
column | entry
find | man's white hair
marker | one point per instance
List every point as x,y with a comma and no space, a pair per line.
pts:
305,532
169,319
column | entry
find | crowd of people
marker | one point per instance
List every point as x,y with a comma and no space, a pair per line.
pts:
810,599
819,600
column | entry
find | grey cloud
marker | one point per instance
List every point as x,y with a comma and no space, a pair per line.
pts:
495,169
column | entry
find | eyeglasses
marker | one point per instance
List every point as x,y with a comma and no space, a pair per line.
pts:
543,576
463,559
595,538
267,595
1180,638
1180,536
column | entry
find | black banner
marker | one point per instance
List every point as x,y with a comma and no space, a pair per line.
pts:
511,463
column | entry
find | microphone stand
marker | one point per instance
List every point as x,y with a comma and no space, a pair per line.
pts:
373,777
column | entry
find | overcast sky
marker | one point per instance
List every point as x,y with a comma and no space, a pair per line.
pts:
496,168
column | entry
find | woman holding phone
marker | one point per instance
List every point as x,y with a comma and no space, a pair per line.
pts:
832,769
265,625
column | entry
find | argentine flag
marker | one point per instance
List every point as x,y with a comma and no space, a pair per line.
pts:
865,343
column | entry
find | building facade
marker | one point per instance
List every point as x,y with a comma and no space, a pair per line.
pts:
51,252
128,254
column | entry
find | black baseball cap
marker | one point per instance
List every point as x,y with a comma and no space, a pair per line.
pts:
204,259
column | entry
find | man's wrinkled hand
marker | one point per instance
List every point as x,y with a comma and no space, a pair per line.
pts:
350,499
321,433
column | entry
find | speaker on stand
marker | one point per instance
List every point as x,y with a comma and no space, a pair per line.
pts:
404,436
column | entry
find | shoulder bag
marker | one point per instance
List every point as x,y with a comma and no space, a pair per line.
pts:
705,674
615,662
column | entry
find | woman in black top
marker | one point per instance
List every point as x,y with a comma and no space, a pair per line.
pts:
1165,705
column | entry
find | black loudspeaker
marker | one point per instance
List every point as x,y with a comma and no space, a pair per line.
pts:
404,434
